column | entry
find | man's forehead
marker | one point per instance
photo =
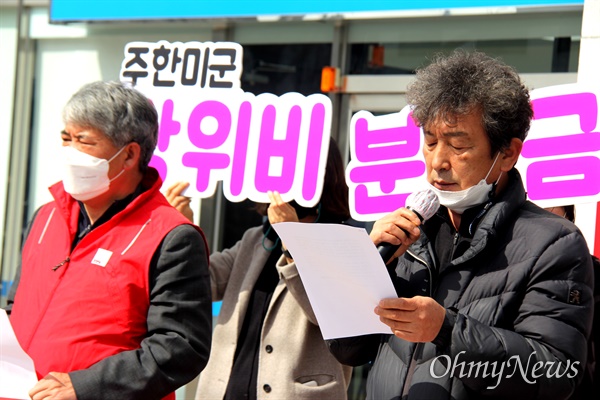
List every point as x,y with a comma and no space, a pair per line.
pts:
455,125
448,131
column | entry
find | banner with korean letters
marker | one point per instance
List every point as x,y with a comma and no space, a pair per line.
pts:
211,131
560,161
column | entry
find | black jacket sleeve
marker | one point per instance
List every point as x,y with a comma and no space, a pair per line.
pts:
177,345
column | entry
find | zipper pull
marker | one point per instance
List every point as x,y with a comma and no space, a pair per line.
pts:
456,237
63,262
478,216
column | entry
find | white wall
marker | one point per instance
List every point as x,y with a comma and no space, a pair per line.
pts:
8,49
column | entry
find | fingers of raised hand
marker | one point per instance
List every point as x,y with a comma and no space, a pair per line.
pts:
175,190
180,202
280,211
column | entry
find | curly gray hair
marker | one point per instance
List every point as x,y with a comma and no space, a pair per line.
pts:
123,114
463,82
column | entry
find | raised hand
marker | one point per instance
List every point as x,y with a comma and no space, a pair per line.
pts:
180,202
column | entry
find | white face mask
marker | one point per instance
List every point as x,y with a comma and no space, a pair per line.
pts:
86,176
461,200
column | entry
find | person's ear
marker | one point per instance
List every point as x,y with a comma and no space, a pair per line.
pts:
133,152
510,154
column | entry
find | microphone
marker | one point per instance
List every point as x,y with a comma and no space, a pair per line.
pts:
425,204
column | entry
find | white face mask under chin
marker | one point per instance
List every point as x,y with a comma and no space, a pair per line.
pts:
462,200
86,176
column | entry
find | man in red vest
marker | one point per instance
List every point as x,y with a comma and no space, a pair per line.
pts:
112,298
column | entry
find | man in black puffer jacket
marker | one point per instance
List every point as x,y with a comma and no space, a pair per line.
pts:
495,293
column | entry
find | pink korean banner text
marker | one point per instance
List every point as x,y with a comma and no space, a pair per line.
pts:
211,130
560,161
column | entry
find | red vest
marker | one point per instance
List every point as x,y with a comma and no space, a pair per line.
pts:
75,308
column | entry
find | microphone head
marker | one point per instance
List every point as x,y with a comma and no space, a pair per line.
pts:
424,203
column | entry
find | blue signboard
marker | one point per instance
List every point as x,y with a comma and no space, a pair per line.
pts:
111,10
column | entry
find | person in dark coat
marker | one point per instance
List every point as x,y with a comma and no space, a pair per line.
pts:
495,294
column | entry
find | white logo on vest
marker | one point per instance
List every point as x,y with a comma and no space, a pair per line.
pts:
101,258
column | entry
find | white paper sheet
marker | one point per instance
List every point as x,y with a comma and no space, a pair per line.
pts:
17,373
343,275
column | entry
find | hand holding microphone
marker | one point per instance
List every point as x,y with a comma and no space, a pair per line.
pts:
402,225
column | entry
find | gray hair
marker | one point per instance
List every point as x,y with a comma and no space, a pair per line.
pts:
463,82
121,113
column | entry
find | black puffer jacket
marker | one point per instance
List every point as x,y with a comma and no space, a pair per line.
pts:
522,289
